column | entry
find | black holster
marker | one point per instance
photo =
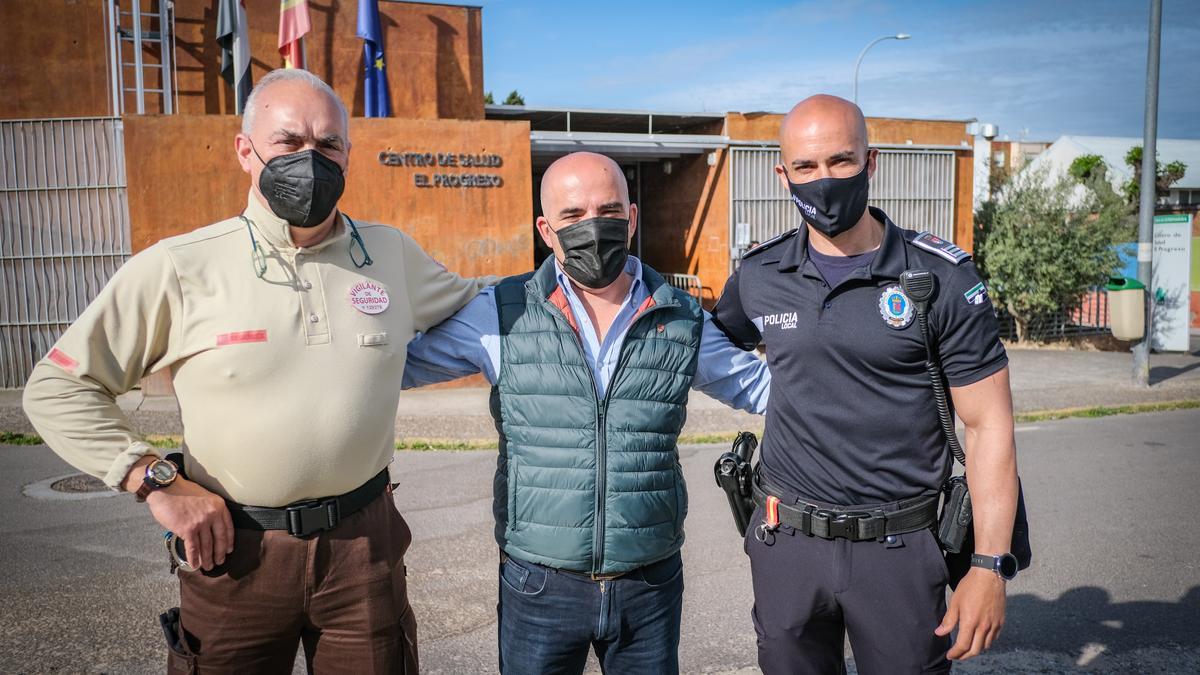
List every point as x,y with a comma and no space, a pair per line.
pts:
735,474
181,660
956,531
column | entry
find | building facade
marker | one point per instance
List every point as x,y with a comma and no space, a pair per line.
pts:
101,163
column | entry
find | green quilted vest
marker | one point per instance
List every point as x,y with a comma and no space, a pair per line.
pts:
582,483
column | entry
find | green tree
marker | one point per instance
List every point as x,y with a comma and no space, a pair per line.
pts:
514,98
1108,206
1087,166
1165,176
488,99
1039,249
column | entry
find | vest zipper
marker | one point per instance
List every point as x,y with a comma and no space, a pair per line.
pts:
601,437
601,445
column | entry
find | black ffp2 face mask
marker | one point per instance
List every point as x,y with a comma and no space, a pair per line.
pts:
301,187
595,250
831,205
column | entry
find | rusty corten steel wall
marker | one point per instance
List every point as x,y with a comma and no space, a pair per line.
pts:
56,57
55,60
189,160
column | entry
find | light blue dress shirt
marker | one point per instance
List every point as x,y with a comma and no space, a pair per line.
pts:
469,343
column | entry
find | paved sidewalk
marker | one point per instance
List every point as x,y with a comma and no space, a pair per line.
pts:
1042,379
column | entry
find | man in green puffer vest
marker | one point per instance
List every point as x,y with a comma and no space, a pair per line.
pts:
591,357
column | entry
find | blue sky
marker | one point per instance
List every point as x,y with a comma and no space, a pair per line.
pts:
1036,68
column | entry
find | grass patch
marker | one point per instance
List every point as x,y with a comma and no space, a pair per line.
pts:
12,438
422,444
710,439
1104,411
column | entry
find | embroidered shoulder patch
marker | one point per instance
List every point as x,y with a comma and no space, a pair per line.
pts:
935,244
770,242
977,294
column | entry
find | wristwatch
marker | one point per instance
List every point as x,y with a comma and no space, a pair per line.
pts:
1004,565
159,474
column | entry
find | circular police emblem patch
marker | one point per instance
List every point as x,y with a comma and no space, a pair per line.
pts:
895,307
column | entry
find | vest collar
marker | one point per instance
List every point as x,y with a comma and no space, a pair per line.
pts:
544,283
544,286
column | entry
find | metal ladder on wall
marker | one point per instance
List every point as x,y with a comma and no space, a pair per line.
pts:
130,42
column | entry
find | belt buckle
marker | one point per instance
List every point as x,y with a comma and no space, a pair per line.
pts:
312,516
605,577
843,524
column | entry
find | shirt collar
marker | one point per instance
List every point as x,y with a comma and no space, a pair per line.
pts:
633,267
277,231
891,259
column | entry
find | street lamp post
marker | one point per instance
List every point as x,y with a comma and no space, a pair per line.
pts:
1148,194
897,36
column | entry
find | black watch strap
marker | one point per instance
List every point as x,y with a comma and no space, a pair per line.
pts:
1004,565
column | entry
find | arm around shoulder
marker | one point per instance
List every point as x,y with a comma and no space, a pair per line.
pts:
435,292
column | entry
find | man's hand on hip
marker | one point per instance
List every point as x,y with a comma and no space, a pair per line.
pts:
199,517
977,608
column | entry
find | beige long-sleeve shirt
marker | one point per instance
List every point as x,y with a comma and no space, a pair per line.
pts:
287,384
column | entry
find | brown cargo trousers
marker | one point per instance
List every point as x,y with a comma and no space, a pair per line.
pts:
341,592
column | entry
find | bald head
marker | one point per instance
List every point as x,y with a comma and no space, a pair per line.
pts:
572,179
581,186
824,136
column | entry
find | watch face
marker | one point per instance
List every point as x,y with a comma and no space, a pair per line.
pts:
162,472
1007,566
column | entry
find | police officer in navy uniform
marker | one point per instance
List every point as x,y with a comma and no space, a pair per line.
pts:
853,454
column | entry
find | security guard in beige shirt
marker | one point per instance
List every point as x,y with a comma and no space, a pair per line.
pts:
284,330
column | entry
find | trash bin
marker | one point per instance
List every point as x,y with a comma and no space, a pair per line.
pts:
1126,308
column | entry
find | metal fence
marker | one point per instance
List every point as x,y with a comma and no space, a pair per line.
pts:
688,283
915,187
1089,318
64,230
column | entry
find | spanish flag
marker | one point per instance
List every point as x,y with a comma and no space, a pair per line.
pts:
293,25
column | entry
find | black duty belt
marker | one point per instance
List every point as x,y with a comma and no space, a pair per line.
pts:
311,515
852,523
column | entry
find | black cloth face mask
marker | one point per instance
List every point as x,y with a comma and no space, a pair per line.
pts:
301,187
595,250
831,205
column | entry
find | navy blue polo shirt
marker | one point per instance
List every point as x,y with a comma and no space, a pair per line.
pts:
851,419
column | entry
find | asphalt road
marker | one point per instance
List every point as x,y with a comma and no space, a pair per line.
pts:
1115,585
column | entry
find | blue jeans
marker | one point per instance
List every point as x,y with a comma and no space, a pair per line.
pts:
548,619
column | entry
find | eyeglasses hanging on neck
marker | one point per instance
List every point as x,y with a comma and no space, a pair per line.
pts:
259,260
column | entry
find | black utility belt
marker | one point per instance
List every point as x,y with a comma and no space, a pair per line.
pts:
850,523
311,515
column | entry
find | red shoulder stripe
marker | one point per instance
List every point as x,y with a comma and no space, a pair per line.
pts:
63,361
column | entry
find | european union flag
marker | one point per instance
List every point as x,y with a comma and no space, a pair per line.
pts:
376,101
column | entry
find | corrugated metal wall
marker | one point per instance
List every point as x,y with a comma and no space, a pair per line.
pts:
914,187
64,230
